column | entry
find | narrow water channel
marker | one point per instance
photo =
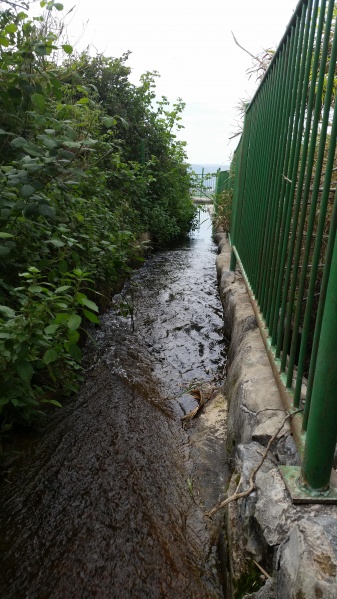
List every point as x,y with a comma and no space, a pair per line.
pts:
109,501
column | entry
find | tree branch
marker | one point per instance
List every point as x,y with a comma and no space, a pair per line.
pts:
251,488
24,5
247,51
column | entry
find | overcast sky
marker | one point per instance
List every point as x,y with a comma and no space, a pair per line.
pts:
190,43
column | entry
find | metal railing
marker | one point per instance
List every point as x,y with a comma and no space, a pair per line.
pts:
283,230
209,185
204,185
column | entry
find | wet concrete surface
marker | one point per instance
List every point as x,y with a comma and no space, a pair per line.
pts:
109,501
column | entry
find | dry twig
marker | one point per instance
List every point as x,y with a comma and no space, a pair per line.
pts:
251,488
247,51
262,569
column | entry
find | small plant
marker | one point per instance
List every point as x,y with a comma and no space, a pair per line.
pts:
224,210
39,351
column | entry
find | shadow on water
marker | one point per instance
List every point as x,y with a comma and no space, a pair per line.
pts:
109,501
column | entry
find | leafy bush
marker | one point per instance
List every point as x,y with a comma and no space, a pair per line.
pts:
88,162
223,215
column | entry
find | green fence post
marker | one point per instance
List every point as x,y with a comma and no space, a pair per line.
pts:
322,426
239,185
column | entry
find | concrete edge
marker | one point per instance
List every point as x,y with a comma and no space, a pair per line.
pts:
296,545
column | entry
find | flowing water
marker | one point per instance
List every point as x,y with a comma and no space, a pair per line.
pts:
109,500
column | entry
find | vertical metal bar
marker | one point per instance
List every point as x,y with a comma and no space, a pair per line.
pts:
295,257
261,175
314,198
298,87
279,192
320,311
284,194
310,162
264,178
241,190
235,167
322,426
302,197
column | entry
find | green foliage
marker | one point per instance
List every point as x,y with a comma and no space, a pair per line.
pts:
224,210
76,195
224,201
39,341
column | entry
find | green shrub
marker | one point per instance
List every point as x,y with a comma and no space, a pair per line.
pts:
76,194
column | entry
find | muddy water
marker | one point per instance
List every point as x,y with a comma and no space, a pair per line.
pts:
109,500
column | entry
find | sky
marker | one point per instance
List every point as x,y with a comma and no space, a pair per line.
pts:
190,44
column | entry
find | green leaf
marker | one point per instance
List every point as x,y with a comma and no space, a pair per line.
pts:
27,191
74,322
75,352
11,28
52,401
4,251
58,6
66,154
90,316
73,144
38,102
48,142
109,121
41,49
51,329
46,210
33,149
62,288
35,288
19,142
56,242
67,48
4,235
73,337
3,132
7,311
30,210
84,301
124,122
50,356
25,371
83,101
61,318
4,41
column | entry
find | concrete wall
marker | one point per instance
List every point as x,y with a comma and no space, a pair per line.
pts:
295,545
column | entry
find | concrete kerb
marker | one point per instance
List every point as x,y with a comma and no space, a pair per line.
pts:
296,545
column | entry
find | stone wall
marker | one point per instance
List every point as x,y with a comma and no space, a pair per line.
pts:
295,545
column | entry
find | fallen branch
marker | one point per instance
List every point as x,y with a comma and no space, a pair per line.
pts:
201,402
262,569
251,488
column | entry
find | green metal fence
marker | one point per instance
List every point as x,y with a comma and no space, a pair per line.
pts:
209,184
283,228
204,185
222,183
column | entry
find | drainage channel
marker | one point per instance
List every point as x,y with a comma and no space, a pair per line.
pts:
109,500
